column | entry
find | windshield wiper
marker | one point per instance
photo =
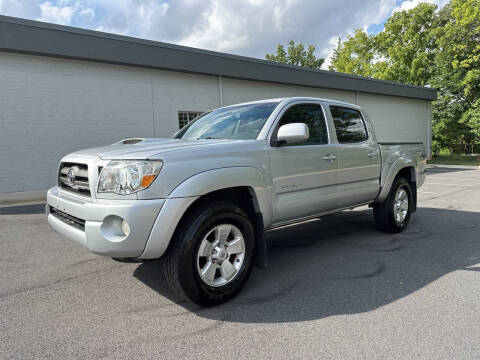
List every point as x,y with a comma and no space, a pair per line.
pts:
206,138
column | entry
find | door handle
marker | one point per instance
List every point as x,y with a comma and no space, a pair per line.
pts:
329,157
372,154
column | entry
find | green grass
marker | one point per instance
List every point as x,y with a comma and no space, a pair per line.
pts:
456,160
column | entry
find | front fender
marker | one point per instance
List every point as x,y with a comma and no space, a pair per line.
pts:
185,194
223,178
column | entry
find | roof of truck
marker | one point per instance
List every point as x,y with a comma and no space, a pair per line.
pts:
296,98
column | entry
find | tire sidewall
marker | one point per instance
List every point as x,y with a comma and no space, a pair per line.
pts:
217,214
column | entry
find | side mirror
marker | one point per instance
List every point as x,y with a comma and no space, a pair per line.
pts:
293,133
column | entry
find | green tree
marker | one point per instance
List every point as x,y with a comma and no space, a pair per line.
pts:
356,55
403,51
448,132
457,75
296,55
471,118
407,46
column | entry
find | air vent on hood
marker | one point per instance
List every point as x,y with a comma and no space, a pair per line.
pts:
131,141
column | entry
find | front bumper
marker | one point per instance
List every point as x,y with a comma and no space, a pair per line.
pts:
96,223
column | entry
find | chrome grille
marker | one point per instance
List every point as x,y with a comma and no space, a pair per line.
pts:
74,177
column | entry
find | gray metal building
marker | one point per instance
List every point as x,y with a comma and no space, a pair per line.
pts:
63,89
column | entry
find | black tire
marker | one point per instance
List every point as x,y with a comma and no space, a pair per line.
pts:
180,260
384,212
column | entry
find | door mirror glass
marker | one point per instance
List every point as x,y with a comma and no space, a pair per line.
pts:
293,133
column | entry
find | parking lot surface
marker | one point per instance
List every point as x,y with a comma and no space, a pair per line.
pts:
334,288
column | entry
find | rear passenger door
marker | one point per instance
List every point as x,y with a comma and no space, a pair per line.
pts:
304,174
359,157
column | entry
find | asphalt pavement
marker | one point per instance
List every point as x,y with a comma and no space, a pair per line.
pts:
334,288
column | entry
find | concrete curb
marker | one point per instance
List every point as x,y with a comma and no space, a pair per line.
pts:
471,167
23,198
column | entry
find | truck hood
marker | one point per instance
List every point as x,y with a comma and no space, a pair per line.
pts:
144,148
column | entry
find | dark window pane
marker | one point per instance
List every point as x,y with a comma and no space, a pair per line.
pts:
312,116
349,125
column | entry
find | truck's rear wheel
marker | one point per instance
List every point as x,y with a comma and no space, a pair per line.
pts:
210,256
393,214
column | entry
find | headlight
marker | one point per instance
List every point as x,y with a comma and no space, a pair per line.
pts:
128,177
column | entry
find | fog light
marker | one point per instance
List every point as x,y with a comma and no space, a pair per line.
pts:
125,228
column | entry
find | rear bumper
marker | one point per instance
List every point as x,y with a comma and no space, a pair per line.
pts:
97,224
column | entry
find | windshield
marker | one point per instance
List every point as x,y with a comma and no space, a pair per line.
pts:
242,122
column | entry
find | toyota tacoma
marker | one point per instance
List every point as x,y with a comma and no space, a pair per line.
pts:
203,199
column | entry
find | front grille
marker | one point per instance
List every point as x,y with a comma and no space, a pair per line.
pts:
74,177
68,219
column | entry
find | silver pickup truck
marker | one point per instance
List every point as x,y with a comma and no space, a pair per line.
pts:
202,200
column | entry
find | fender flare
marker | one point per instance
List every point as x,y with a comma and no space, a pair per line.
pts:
185,194
397,166
223,178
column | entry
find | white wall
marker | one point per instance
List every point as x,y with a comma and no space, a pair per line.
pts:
397,119
235,91
174,92
50,107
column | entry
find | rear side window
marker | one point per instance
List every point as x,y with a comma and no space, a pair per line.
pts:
349,125
312,116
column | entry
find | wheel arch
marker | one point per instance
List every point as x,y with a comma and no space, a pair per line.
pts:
228,179
404,168
244,186
244,197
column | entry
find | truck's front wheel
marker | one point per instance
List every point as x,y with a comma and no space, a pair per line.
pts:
210,256
393,214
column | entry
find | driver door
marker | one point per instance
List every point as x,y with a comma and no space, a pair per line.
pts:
304,174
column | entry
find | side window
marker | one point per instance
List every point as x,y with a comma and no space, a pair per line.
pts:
349,125
312,116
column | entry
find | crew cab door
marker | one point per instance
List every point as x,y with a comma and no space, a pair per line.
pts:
359,159
304,174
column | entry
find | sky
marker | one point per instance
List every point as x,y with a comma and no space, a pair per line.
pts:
243,27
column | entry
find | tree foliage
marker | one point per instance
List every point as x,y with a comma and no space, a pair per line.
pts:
407,45
296,55
427,46
356,55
